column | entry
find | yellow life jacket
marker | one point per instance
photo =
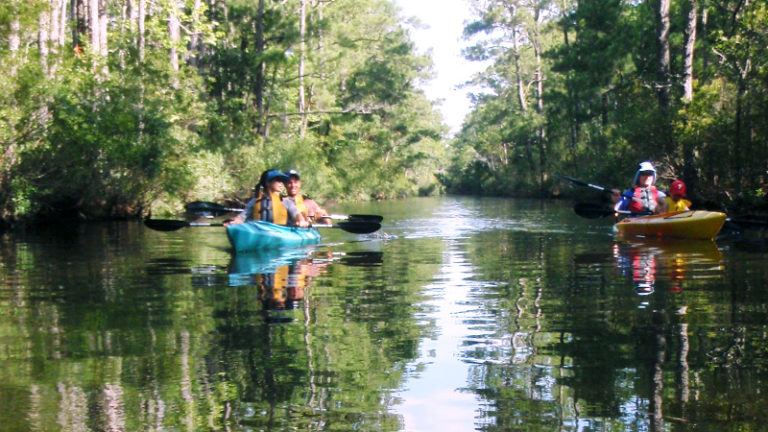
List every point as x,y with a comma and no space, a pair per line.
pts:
272,287
679,205
270,208
299,200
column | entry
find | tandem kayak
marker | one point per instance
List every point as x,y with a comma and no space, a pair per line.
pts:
254,236
692,224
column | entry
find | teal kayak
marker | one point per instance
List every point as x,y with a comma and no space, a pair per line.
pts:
256,236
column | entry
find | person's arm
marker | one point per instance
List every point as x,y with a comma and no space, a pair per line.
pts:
314,211
622,204
661,201
243,215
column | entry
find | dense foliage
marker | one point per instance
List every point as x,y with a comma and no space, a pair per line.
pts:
115,108
591,88
126,107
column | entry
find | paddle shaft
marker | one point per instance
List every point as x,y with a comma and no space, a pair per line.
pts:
582,183
211,207
354,227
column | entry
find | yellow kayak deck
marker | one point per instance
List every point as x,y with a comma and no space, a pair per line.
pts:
693,224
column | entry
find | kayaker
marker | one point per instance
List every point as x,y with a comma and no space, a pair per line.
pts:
644,198
676,201
269,205
308,207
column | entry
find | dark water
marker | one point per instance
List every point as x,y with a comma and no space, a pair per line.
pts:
462,314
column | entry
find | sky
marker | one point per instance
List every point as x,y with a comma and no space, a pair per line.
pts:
444,22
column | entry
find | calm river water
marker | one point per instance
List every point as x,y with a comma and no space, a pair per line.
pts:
461,314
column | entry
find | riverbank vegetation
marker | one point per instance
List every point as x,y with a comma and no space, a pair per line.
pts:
591,88
119,108
115,108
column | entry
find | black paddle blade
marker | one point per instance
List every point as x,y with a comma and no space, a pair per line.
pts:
173,225
359,227
165,224
593,210
365,218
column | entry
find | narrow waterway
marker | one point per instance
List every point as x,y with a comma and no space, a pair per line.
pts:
460,314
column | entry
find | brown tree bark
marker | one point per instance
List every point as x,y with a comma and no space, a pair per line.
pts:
80,20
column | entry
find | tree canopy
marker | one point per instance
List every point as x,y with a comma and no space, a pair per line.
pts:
119,108
115,108
591,88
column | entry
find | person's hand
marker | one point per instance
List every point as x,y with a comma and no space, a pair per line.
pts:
615,195
301,221
233,221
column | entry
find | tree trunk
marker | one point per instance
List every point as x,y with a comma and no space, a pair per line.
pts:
174,34
95,26
61,34
541,130
140,17
79,29
690,41
258,84
103,24
43,36
663,77
663,72
14,40
518,71
572,123
704,40
195,47
302,48
53,27
689,163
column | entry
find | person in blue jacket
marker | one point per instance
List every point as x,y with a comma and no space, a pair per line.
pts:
644,198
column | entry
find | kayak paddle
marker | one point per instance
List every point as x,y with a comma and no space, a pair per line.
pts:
209,207
173,224
593,210
217,209
596,210
582,183
354,227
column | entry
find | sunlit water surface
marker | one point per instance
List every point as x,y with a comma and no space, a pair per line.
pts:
460,314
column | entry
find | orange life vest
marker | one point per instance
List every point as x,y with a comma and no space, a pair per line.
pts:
646,199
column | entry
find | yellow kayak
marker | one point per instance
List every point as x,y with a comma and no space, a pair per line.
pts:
693,224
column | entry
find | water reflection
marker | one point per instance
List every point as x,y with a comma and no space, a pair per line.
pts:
473,315
281,276
643,260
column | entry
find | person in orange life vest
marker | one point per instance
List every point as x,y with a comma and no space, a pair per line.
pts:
308,207
269,205
644,198
676,201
